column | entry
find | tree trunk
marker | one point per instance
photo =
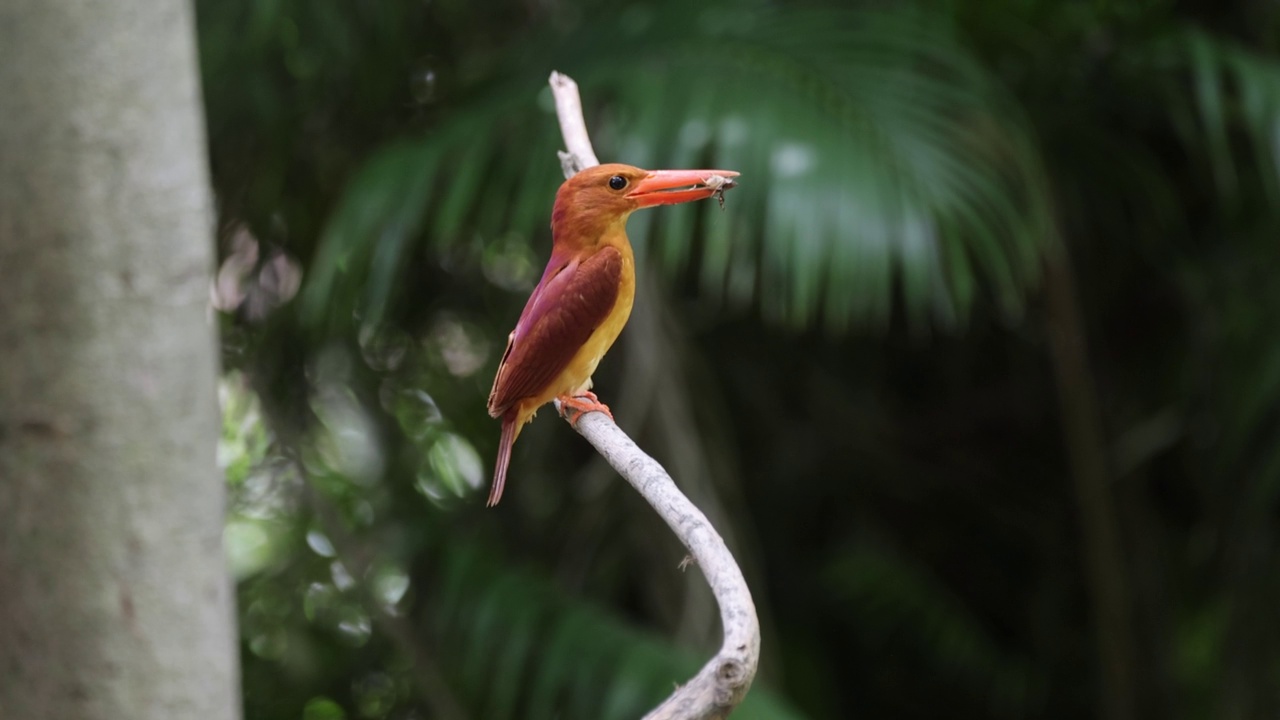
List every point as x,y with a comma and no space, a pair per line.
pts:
114,599
1107,578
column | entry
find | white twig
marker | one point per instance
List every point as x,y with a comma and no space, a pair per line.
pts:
723,681
572,126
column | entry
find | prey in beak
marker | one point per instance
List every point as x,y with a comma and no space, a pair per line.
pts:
668,187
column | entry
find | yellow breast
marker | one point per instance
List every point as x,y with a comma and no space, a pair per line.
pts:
576,377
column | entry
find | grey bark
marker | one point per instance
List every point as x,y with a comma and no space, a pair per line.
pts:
723,682
114,599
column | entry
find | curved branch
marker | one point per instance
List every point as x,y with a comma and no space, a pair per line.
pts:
724,680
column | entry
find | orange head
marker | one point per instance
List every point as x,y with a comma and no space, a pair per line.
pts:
600,198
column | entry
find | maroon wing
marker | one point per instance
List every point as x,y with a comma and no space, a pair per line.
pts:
565,308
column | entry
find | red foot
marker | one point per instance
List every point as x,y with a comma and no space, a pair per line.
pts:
584,403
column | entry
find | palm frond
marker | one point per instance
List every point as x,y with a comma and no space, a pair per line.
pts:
1236,95
877,159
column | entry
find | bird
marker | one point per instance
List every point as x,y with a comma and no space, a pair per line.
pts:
585,295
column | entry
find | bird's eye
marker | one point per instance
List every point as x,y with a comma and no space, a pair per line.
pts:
617,182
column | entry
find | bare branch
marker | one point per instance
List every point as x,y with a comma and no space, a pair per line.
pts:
723,681
572,126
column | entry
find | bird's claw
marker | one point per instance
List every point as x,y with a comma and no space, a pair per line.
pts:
584,403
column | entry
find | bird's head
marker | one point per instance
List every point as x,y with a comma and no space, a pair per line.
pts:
600,198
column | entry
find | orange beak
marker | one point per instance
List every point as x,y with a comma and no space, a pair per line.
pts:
668,187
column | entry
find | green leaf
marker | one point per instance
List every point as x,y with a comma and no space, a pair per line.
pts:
860,134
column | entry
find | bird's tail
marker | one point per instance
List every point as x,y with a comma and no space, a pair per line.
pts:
510,428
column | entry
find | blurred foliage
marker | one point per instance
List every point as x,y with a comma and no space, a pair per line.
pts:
848,368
